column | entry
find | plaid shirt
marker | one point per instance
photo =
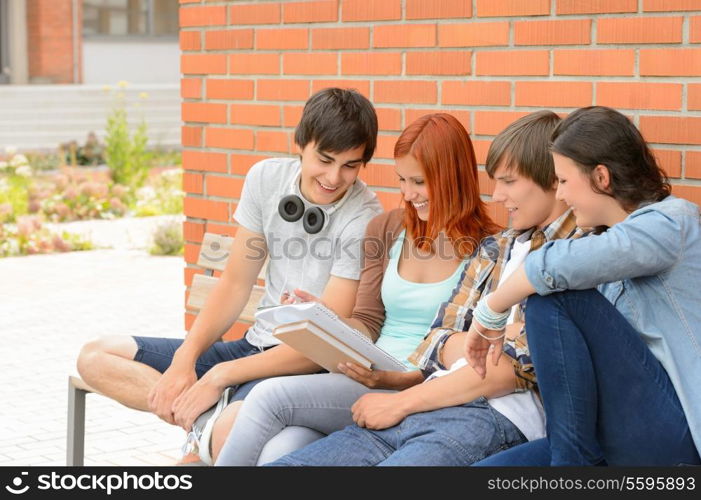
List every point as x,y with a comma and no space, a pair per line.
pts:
481,277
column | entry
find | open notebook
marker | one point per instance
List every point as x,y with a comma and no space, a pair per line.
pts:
318,333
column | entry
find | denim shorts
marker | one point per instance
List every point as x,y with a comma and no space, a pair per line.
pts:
157,352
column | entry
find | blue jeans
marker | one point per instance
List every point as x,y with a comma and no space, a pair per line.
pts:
157,352
454,436
606,397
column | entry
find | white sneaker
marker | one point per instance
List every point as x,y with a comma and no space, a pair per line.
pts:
199,439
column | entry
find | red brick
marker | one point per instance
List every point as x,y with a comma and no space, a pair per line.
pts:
254,64
670,161
438,63
282,39
228,39
493,122
283,90
405,35
255,114
379,175
477,93
191,88
193,183
671,129
389,118
670,62
503,8
522,62
640,30
406,91
413,114
236,332
226,187
473,34
691,193
190,40
362,86
371,63
385,146
695,29
481,149
203,112
371,10
389,199
340,38
272,141
692,168
253,13
193,231
201,160
191,136
310,63
228,138
556,94
230,88
242,163
203,64
438,9
292,115
486,184
223,229
639,95
670,5
568,32
203,16
191,253
310,12
206,209
693,96
595,6
610,62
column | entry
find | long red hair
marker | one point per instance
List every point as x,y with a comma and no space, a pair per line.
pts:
443,148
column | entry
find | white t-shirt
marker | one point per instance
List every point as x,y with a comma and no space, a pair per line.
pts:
296,259
524,409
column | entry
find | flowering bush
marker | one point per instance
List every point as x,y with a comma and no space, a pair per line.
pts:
29,237
15,175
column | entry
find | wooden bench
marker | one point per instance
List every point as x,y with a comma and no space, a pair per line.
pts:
214,253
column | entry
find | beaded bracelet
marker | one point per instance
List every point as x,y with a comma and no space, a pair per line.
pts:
486,337
488,318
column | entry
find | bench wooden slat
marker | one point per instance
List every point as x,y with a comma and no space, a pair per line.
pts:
202,286
215,251
79,383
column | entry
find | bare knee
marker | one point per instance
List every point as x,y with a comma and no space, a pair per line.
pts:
92,352
223,426
453,349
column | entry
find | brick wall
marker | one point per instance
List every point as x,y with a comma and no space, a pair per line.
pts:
50,41
248,67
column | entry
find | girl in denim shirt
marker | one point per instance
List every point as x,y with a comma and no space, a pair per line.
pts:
614,320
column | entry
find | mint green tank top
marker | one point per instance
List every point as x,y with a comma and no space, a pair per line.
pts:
410,307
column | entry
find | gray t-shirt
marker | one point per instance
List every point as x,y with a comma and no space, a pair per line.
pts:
296,259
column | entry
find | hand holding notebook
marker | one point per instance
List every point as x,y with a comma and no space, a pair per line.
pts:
318,333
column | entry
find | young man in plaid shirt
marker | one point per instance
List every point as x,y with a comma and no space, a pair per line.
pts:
454,417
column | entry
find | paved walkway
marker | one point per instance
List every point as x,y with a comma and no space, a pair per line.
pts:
49,306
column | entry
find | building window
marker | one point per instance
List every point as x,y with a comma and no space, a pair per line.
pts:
130,18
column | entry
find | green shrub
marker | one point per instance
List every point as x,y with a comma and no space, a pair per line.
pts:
168,239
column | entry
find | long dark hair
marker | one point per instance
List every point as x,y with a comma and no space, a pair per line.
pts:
598,135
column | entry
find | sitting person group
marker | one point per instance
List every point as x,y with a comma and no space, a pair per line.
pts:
598,266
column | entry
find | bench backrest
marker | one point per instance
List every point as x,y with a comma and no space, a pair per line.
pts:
214,253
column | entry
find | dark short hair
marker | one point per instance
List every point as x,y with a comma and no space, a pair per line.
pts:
524,146
598,135
338,120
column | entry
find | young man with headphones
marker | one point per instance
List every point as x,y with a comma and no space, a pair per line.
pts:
308,217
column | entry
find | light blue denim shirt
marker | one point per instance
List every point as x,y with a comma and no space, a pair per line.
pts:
649,267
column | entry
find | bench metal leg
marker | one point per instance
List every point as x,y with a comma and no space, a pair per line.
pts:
75,442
